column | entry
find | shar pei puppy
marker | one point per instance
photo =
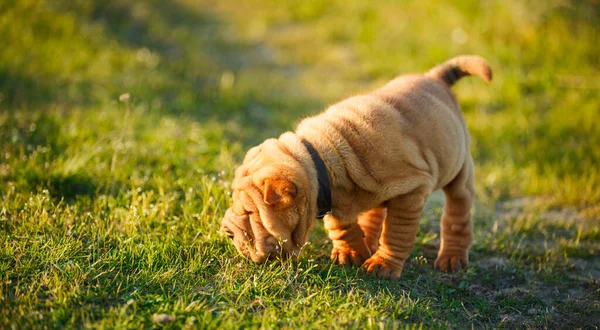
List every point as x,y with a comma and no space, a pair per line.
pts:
367,165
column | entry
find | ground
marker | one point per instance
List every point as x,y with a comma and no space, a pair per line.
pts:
121,123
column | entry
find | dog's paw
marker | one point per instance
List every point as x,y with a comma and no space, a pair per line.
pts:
382,267
451,262
345,253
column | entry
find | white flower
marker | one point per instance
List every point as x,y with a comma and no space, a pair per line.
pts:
124,98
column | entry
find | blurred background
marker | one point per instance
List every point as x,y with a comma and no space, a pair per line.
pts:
207,79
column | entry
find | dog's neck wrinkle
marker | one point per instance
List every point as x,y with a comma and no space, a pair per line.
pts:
324,201
336,170
293,143
334,163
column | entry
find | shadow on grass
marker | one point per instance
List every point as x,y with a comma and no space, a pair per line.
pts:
31,144
40,137
19,90
42,131
69,187
65,187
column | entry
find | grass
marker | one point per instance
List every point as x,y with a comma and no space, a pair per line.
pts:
109,211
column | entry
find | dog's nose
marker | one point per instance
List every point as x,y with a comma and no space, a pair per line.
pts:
273,245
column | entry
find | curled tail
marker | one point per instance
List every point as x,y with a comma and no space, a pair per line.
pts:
455,68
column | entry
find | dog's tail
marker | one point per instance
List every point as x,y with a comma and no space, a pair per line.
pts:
455,68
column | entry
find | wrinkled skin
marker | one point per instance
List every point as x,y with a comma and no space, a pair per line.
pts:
385,152
271,213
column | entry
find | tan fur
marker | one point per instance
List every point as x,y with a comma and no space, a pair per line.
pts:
385,152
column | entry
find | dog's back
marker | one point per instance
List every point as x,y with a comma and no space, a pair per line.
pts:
414,122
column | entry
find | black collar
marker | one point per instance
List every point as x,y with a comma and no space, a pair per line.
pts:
324,197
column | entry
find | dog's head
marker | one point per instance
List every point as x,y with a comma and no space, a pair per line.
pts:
272,210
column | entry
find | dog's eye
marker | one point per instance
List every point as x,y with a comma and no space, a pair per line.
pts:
229,233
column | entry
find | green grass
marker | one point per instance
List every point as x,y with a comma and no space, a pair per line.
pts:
110,211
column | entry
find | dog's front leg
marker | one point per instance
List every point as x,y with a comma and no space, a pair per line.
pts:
348,241
371,222
398,235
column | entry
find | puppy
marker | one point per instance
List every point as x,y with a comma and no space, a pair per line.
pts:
367,165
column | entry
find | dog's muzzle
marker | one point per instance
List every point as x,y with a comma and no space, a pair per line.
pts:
251,244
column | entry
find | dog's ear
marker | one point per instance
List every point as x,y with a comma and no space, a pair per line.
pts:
279,190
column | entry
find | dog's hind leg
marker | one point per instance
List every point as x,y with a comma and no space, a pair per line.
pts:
370,222
457,228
